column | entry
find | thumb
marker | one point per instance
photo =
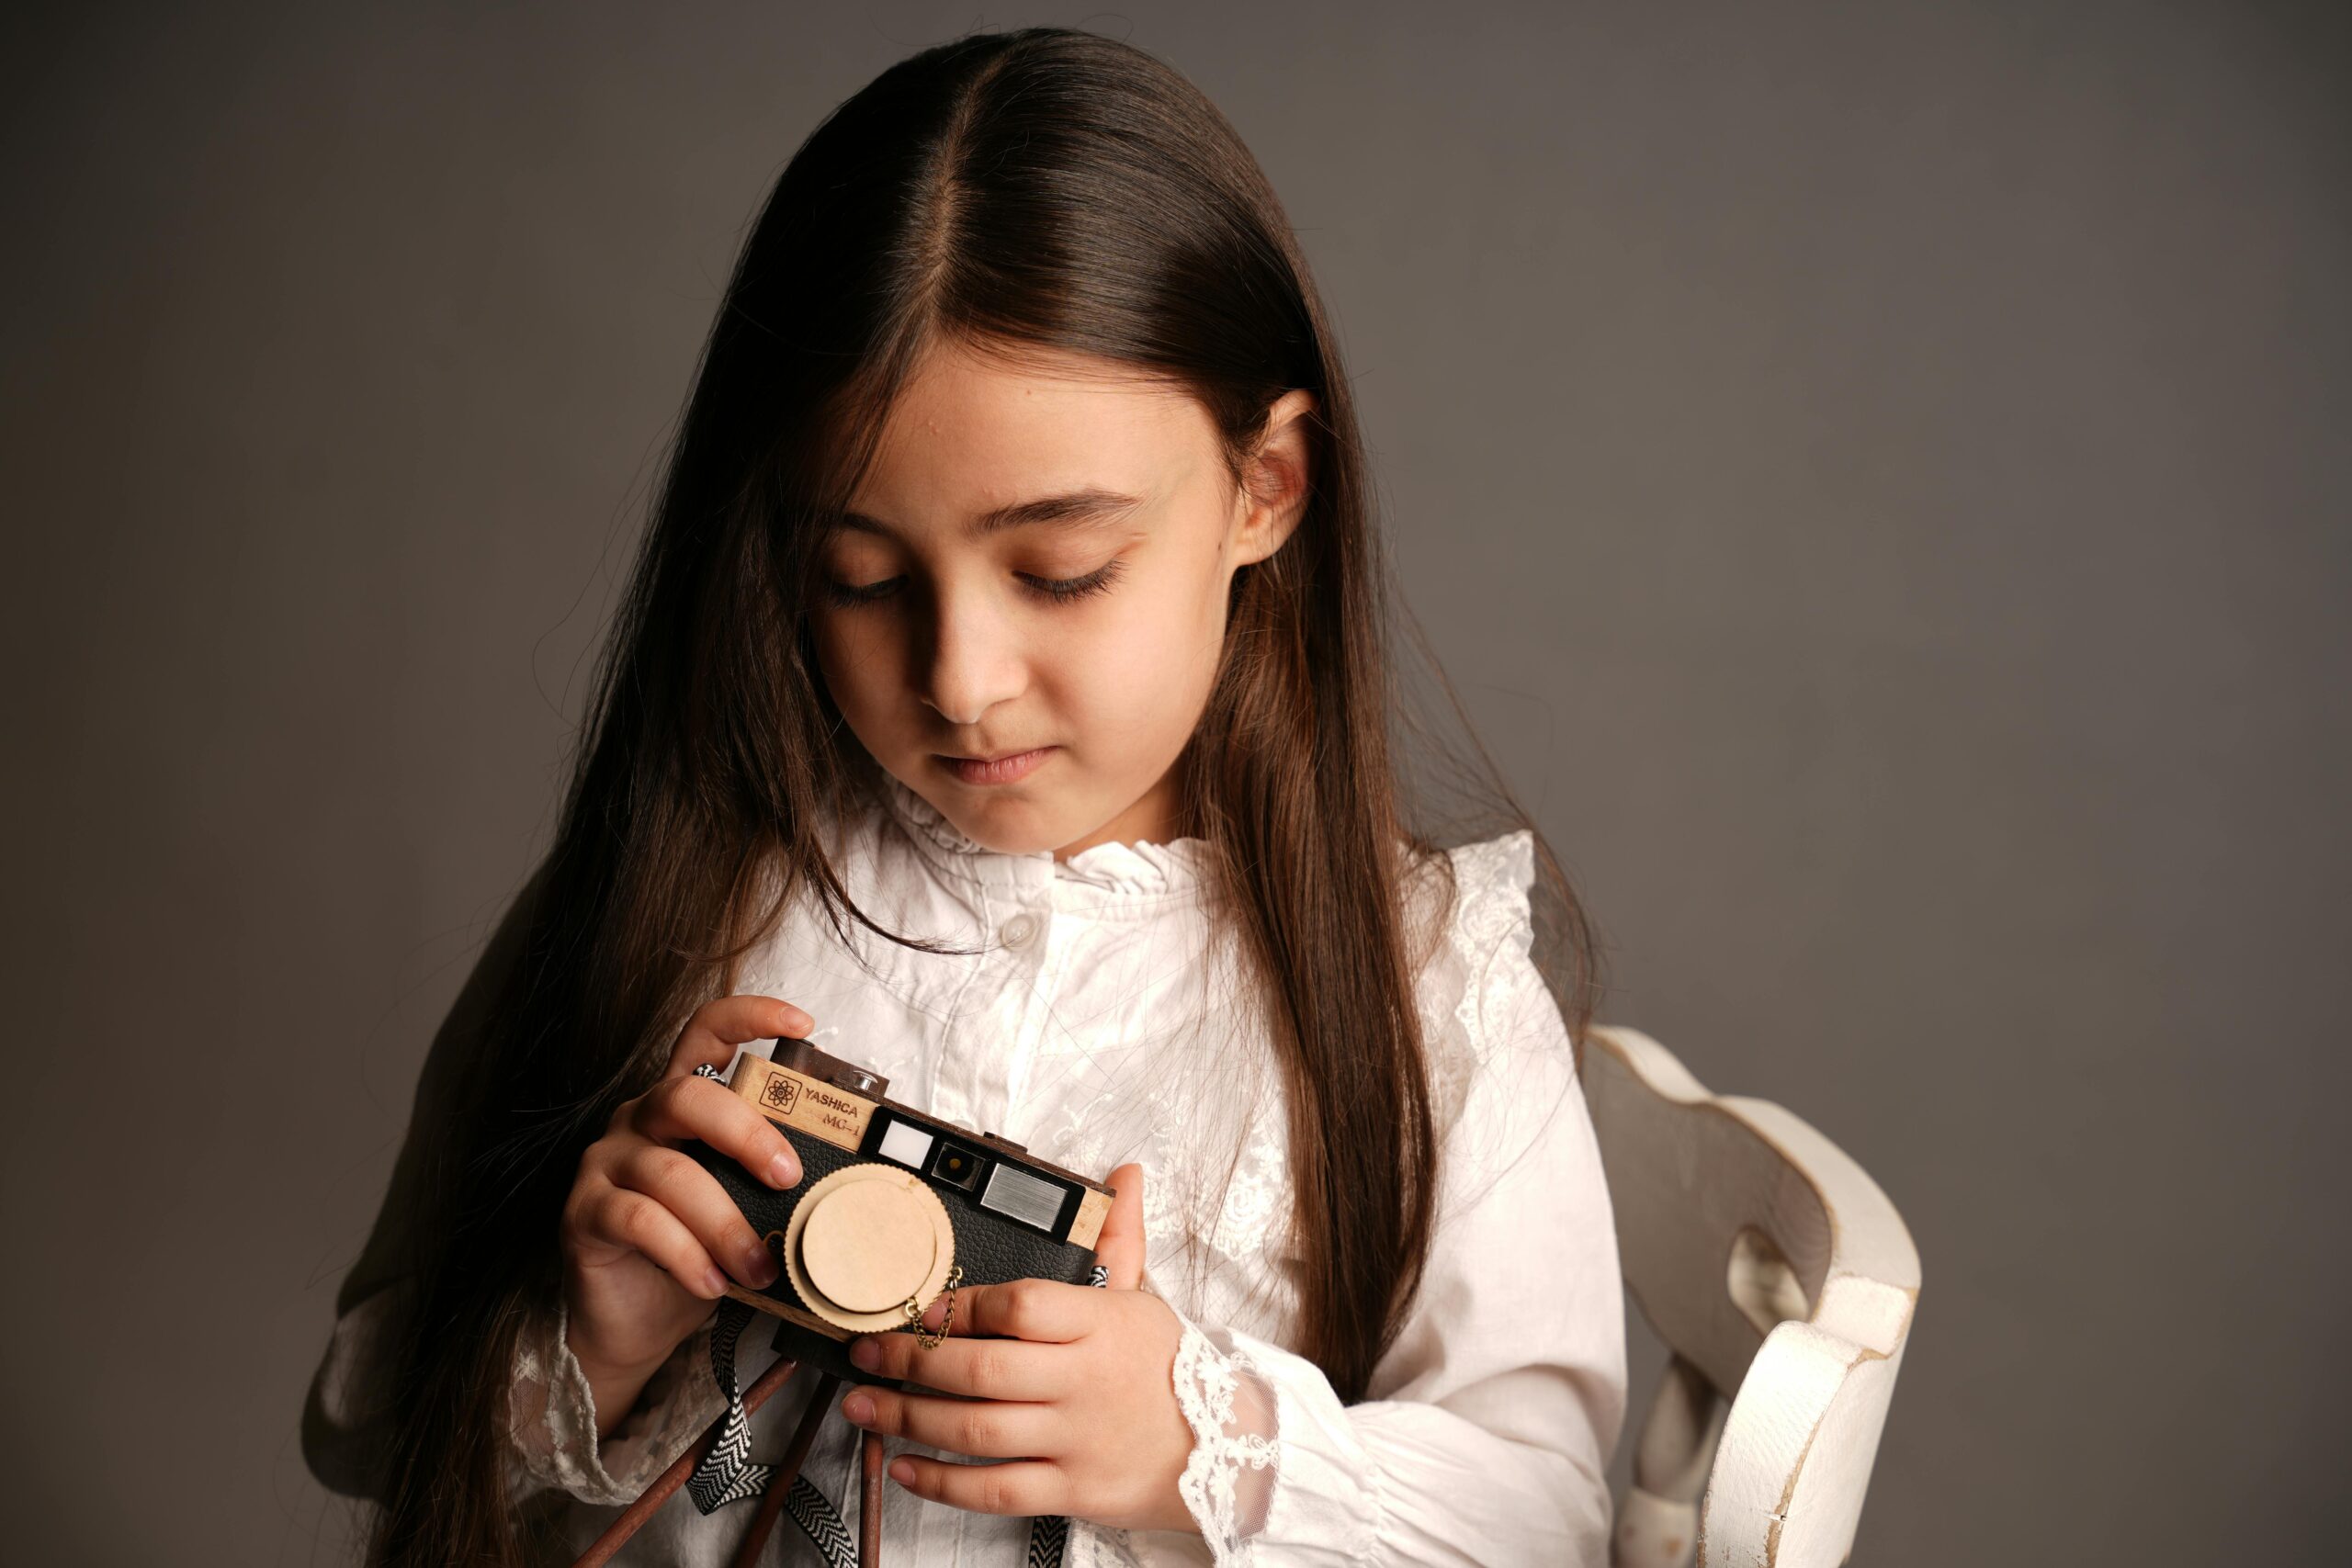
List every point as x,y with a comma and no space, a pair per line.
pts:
1120,1247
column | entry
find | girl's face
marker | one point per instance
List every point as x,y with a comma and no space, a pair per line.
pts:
1037,562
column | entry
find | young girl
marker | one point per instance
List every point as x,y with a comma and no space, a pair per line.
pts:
1001,701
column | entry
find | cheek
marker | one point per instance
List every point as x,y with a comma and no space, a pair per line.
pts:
855,665
1146,676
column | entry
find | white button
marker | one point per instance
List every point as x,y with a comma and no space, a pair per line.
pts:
1017,931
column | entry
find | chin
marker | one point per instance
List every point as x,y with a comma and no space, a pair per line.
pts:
1012,827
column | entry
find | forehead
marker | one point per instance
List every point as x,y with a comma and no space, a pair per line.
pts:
971,433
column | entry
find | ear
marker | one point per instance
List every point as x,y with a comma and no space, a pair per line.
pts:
1277,478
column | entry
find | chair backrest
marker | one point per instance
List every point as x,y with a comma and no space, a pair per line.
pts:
1783,1282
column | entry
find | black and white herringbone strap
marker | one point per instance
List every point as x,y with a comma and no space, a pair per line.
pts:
726,1474
1048,1538
818,1521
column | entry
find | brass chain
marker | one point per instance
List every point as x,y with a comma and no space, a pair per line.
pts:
930,1339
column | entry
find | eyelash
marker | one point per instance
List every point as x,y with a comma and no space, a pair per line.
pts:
1059,592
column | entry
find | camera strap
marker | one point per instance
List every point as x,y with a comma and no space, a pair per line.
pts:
726,1474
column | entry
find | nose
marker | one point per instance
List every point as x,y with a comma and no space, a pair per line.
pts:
976,660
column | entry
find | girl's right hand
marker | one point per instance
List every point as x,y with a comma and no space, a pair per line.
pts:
649,1238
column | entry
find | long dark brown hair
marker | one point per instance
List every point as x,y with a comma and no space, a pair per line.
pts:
1043,188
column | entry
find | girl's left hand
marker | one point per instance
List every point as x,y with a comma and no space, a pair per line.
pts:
1069,1386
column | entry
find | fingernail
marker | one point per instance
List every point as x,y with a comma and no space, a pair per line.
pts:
865,1354
858,1408
902,1472
758,1267
716,1283
782,1170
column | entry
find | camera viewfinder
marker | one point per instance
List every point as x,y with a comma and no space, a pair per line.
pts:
957,1166
905,1144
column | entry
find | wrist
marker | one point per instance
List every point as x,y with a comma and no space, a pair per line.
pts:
1233,1417
1173,1509
600,1366
617,1339
615,1382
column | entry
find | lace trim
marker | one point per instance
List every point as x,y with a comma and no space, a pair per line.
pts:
1464,990
552,1415
1231,1412
1143,868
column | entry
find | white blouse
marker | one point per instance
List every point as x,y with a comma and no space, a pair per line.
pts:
1104,1024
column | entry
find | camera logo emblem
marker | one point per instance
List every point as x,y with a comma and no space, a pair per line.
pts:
781,1091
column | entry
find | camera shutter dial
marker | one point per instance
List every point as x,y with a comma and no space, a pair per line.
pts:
865,1240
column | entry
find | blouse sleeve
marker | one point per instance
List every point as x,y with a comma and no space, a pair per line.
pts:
1490,1422
552,1417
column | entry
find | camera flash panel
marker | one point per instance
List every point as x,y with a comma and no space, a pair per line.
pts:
1029,1199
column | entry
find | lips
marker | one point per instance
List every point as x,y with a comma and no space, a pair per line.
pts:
1002,768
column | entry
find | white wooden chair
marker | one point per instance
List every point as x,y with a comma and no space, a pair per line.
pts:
1782,1280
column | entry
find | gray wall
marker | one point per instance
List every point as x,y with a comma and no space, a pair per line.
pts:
1880,472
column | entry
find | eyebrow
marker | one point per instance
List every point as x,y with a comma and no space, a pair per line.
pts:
1088,508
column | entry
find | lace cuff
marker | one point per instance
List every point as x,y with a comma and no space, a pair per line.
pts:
551,1416
1229,1477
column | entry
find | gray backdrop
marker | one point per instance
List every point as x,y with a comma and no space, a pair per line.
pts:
1880,472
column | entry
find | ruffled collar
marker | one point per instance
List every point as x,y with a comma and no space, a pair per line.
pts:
1142,868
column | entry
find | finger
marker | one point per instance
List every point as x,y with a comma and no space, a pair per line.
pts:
983,1369
1043,1310
677,1109
1120,1247
1020,1487
635,1222
985,1429
718,1027
694,1199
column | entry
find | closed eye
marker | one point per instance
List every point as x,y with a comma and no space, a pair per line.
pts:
845,595
1065,589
